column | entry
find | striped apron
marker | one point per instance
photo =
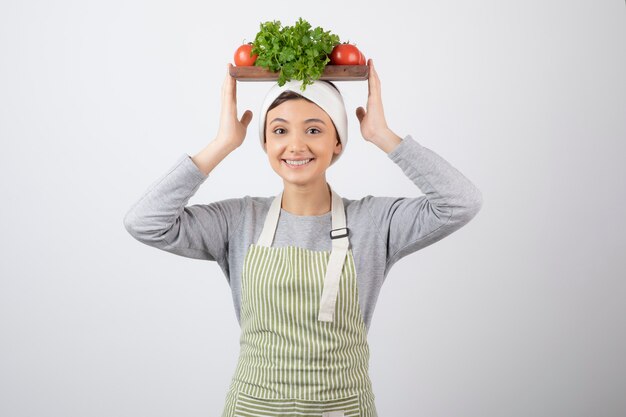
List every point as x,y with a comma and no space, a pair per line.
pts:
303,344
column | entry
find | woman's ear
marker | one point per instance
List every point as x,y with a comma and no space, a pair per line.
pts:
338,147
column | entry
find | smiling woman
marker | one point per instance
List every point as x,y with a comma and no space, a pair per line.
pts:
305,265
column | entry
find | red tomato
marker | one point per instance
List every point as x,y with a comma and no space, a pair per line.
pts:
242,55
362,60
345,54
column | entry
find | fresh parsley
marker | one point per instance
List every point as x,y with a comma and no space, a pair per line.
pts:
298,52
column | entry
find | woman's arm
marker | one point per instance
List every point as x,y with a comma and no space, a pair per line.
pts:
162,219
408,224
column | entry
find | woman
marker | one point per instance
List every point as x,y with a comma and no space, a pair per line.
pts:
305,266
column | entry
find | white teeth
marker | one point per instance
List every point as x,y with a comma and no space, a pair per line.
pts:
305,161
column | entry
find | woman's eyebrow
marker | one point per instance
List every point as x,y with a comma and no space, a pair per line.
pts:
279,119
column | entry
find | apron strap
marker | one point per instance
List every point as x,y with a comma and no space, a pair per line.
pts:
340,243
339,237
271,222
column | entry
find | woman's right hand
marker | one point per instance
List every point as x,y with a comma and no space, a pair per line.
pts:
232,131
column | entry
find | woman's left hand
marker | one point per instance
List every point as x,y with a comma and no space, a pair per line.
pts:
373,124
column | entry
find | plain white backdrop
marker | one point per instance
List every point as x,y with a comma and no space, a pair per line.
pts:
519,313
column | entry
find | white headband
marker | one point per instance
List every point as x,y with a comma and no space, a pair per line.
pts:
321,93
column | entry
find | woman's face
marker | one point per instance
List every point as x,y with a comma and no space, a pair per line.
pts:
295,130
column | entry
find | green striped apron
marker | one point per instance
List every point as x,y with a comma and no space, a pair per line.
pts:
303,345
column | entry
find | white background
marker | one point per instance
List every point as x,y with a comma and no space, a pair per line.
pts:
519,313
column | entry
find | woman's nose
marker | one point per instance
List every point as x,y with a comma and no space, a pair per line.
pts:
296,142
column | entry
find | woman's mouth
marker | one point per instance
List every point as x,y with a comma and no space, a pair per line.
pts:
297,164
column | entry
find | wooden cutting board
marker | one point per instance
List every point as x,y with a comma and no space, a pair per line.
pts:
331,73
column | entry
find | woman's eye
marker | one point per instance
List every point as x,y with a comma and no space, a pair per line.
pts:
280,128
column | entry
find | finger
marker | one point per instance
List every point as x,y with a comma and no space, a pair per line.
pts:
224,89
232,83
229,96
375,81
374,72
226,81
245,119
370,77
360,113
229,105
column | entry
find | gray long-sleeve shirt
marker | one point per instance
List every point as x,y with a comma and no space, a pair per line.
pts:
382,229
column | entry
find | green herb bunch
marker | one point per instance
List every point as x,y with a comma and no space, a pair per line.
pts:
296,51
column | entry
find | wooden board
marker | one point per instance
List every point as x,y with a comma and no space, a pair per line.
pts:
331,73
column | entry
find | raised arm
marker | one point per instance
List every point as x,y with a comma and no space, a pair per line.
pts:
409,224
161,217
449,202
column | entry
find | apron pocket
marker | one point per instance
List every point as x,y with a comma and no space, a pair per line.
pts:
247,405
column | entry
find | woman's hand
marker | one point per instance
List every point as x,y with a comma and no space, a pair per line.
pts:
373,124
232,131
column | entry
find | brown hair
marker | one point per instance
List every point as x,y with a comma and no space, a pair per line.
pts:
292,95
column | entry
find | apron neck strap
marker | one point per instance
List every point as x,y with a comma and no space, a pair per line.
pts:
338,221
339,236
